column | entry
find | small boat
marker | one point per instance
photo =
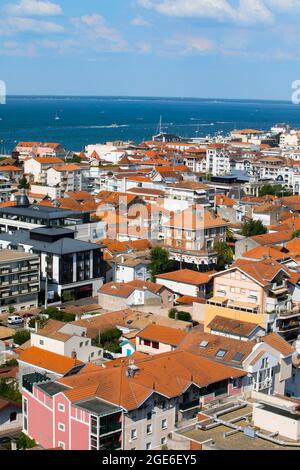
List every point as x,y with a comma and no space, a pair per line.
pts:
114,125
57,118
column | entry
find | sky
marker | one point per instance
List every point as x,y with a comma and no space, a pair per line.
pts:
245,49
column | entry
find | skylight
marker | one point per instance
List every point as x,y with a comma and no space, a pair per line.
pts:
221,353
238,356
203,344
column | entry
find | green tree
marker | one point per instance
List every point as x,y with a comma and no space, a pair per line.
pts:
225,254
10,392
276,190
179,315
21,337
253,227
76,159
160,262
24,442
23,183
110,336
296,234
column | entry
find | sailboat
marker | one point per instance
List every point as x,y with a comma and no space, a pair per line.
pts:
57,118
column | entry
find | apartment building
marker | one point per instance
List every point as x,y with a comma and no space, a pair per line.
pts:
195,229
66,339
37,167
217,160
19,280
27,150
260,289
129,406
72,267
191,192
68,177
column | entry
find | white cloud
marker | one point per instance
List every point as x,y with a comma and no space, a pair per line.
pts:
13,25
185,45
140,21
12,48
95,27
247,11
284,5
33,8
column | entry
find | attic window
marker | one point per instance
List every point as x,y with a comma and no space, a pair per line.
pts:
203,344
221,353
238,357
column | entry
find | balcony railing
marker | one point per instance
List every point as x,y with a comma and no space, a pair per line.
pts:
189,405
112,427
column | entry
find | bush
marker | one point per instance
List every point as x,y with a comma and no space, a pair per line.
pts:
9,392
110,336
24,442
21,337
56,314
176,315
114,348
184,316
172,313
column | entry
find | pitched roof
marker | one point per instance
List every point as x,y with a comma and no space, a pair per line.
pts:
262,271
187,276
273,238
208,345
192,219
229,325
163,334
169,374
48,360
277,342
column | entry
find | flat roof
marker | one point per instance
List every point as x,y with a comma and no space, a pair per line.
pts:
36,211
63,246
235,441
98,407
15,255
52,388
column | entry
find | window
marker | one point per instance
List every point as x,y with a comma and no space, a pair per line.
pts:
61,444
164,424
149,429
238,357
61,407
13,416
87,343
148,446
81,344
155,345
221,353
41,342
163,441
133,434
61,427
147,342
149,416
235,383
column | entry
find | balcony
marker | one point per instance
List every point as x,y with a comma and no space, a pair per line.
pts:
110,428
189,405
267,383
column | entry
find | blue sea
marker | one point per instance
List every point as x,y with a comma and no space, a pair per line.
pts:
78,121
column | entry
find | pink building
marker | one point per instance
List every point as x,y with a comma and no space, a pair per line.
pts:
125,405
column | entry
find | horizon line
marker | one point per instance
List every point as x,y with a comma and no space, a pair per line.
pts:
21,95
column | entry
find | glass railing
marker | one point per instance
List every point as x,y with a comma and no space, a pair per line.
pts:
189,405
112,427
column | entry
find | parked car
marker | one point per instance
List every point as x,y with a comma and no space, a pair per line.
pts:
15,320
108,355
27,315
